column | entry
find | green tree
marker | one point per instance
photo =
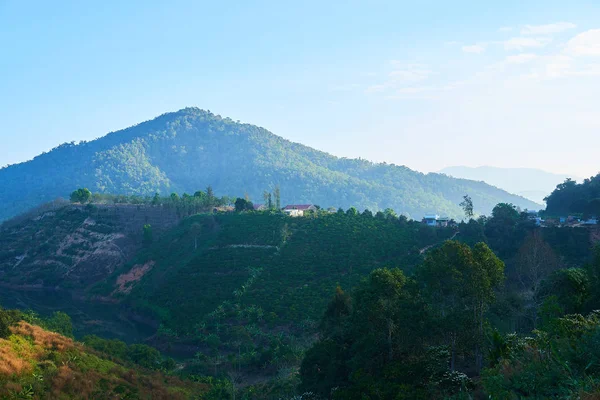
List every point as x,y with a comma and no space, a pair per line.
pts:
147,235
390,214
210,196
7,319
61,323
243,205
81,196
145,356
458,283
277,196
467,206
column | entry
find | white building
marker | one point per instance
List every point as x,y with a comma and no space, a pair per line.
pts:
297,210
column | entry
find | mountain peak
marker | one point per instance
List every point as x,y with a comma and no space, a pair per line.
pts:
190,149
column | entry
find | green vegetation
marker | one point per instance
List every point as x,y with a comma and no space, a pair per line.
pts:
572,198
36,363
398,337
182,151
241,298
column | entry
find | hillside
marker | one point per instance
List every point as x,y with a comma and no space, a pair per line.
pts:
39,364
241,296
205,284
576,198
190,149
533,184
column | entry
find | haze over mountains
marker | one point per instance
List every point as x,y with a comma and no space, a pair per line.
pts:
188,150
531,183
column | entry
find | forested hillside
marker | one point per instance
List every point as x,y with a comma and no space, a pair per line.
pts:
260,305
190,149
571,197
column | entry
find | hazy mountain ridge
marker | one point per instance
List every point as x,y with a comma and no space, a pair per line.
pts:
530,183
190,149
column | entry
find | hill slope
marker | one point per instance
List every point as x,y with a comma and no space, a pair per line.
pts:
39,364
530,183
190,149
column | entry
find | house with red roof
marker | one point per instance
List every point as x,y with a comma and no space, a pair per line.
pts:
297,210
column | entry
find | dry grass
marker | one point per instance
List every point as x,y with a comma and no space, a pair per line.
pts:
18,355
30,348
11,362
42,338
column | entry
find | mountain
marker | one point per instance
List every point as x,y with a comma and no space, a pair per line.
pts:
533,184
190,149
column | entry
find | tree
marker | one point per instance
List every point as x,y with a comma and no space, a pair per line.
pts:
243,205
390,214
144,355
277,196
7,318
467,206
195,230
61,323
210,196
504,229
81,196
147,235
458,283
535,262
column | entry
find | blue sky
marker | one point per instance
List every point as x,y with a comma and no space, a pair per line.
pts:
426,84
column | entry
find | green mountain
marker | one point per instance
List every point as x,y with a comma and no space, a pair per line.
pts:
531,183
190,149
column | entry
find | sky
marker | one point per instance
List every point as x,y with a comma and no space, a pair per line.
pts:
426,84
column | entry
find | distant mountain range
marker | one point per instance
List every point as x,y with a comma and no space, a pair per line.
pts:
188,150
530,183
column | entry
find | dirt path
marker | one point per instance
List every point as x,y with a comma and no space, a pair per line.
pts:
424,249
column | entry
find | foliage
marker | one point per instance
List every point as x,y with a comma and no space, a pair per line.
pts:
36,363
467,206
570,198
561,361
398,336
191,148
243,205
81,196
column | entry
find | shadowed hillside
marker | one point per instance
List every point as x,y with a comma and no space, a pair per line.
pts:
191,149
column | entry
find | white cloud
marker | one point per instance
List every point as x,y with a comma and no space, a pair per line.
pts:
476,48
585,44
376,88
520,58
344,88
547,29
410,74
559,66
403,74
521,43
